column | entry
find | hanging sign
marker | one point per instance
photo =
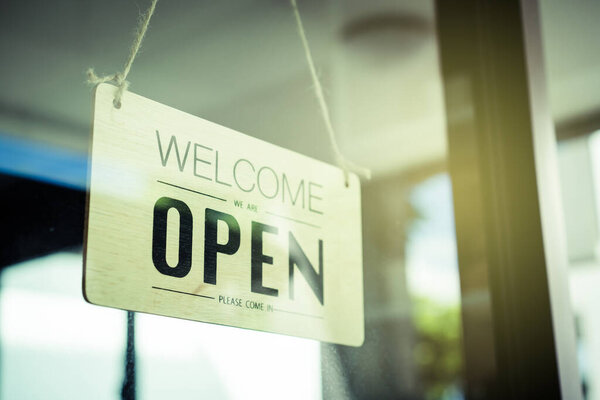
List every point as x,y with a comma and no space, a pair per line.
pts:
193,220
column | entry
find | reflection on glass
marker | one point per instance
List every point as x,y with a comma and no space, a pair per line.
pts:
580,181
76,350
412,347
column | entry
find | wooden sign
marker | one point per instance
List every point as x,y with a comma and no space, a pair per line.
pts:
192,220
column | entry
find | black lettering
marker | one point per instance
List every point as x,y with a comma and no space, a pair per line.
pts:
217,171
159,237
314,279
165,158
196,160
312,196
235,174
260,186
212,247
285,183
258,259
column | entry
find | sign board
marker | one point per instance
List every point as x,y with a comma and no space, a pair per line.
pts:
192,220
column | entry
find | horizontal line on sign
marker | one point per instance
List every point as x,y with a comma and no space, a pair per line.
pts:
190,190
297,313
177,291
295,220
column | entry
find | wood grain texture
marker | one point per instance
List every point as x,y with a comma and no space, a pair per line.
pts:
132,168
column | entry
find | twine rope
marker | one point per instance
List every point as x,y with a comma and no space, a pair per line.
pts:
345,164
120,78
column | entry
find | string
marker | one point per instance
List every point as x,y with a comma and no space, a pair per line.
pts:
345,164
120,78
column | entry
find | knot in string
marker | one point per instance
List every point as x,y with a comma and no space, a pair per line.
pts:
116,78
120,78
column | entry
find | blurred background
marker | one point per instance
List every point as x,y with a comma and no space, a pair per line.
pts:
241,64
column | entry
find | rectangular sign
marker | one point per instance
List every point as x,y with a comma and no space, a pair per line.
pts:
193,220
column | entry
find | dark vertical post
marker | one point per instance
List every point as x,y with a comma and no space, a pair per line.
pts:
128,389
1,364
509,336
